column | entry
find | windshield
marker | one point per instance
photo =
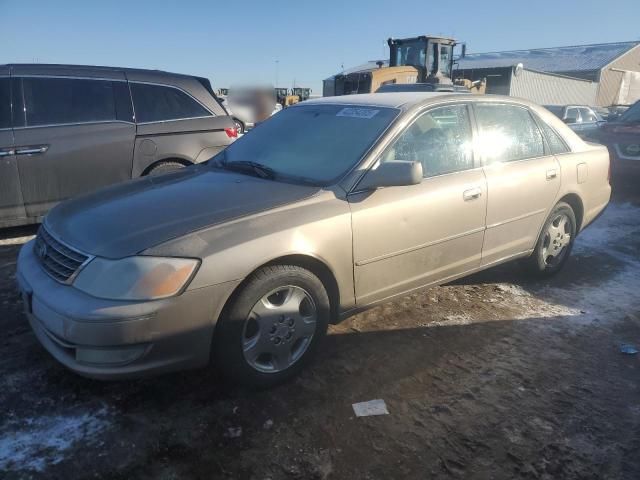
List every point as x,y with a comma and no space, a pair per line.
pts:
412,53
632,115
317,143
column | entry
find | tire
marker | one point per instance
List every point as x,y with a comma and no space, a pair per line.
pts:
239,125
548,257
263,339
165,167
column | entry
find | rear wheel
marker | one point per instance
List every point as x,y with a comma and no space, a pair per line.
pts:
165,167
273,326
554,243
239,125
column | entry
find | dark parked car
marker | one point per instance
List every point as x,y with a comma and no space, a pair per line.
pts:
67,130
581,119
622,137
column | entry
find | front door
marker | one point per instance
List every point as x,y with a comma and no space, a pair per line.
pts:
410,236
522,179
11,206
74,138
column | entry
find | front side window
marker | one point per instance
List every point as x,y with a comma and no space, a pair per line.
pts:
5,103
507,133
314,143
53,101
156,103
439,139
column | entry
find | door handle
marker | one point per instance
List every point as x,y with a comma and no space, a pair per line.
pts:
6,153
32,150
472,194
551,174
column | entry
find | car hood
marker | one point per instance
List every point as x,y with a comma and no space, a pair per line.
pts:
128,218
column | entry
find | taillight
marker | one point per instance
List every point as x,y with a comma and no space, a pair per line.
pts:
231,132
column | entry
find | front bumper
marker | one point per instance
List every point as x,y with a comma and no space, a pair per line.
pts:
109,339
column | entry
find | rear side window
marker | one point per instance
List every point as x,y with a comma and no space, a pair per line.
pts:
507,133
53,101
155,103
5,103
555,141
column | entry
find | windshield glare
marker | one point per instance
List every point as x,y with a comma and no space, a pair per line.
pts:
318,143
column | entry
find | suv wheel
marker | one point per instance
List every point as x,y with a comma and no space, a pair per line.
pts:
165,167
273,327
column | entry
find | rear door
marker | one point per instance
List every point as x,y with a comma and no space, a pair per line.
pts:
172,124
523,179
76,135
11,206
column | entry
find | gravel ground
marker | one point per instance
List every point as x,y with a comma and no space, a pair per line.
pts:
494,376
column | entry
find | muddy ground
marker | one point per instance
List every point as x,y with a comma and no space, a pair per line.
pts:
495,376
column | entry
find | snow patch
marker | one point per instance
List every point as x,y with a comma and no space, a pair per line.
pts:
35,443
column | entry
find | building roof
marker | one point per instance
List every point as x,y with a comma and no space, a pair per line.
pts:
558,59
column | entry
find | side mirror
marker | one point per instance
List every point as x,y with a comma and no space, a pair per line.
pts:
395,173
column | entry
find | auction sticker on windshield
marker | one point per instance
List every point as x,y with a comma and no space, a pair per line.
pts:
357,112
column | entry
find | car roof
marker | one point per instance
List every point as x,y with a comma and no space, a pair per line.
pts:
409,100
403,100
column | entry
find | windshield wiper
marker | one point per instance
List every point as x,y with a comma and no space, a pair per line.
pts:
255,168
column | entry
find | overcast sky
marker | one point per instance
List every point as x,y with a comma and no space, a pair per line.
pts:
252,41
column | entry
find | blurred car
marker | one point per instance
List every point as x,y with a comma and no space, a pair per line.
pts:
68,129
250,105
582,119
248,258
622,137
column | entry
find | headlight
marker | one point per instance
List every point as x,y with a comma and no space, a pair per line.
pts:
135,278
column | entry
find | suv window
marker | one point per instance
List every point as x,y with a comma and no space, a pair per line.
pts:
572,115
51,101
155,103
5,103
587,115
440,139
507,133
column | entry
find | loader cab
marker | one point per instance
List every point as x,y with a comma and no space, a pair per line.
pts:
302,93
431,56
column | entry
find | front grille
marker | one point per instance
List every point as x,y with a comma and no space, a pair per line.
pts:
58,260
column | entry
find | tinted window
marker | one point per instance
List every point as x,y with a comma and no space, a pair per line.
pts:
319,143
50,101
440,139
124,109
556,143
507,133
5,103
154,103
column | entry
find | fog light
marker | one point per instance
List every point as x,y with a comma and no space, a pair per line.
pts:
110,356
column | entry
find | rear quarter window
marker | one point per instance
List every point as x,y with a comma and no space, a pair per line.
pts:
556,144
157,103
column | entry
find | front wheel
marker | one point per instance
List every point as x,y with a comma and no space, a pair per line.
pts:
273,327
554,243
